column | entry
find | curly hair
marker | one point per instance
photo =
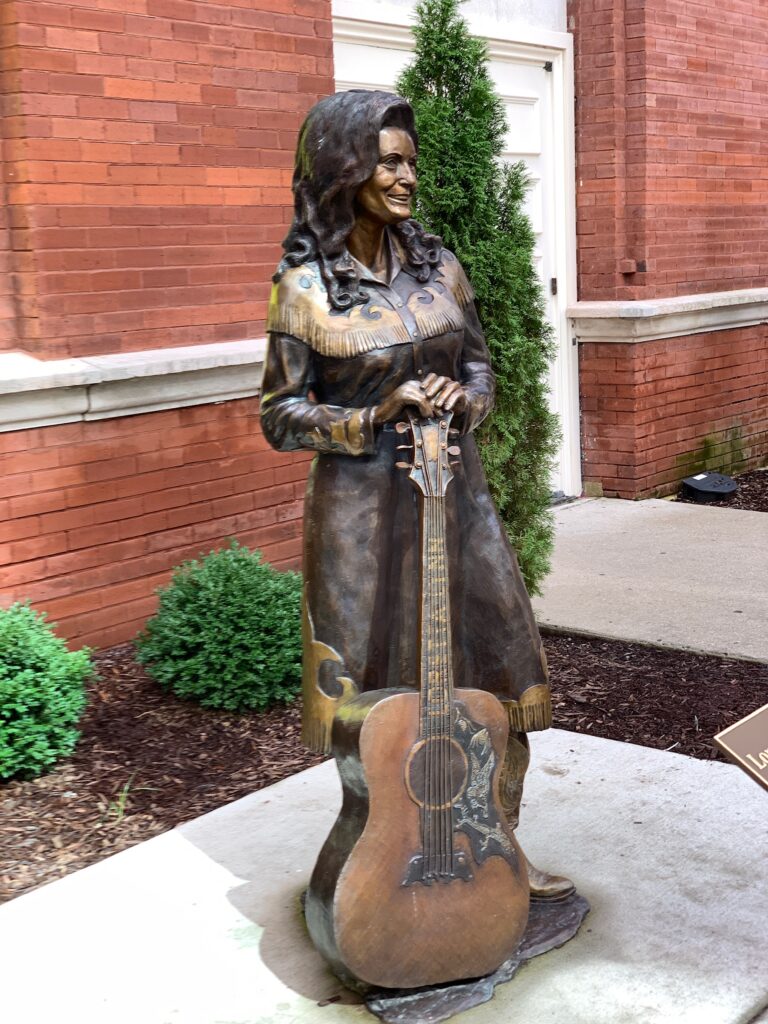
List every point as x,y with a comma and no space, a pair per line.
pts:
337,152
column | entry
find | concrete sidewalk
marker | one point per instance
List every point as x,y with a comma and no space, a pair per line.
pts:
661,572
202,925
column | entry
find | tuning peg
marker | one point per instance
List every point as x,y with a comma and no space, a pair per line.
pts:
454,450
401,427
454,433
402,465
405,448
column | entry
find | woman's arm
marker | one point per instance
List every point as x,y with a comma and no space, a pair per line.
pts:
477,377
471,397
291,420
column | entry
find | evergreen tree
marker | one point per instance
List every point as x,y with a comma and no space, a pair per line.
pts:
467,195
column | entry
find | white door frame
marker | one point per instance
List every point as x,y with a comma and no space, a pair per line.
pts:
380,24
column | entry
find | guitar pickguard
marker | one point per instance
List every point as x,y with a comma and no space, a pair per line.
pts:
474,811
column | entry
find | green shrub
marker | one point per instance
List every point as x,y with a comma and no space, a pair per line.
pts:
476,203
227,633
42,693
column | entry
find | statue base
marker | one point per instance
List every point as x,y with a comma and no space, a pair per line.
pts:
551,923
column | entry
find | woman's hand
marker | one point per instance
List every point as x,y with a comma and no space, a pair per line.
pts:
444,393
410,393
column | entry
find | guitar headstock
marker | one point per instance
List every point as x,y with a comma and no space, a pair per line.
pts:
430,466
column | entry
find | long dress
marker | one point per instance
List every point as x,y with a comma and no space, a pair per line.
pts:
325,370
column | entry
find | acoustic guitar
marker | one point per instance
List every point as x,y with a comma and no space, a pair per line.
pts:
420,881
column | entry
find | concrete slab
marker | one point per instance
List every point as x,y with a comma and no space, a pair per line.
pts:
201,925
661,572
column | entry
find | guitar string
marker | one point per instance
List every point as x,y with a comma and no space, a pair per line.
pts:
437,819
430,865
430,766
446,697
440,681
445,800
434,692
441,856
427,610
438,849
438,686
436,717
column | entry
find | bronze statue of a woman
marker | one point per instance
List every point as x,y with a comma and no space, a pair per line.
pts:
371,316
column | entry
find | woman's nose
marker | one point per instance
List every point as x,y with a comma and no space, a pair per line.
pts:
407,174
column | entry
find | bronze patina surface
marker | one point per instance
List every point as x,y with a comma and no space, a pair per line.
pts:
371,315
550,924
371,321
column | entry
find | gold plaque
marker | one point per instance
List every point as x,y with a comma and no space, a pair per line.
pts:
746,744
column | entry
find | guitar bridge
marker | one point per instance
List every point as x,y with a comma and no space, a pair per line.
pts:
418,871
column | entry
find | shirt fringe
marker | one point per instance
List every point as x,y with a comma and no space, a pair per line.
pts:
462,290
533,712
316,736
337,344
431,325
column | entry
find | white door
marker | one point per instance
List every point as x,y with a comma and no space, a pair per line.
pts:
533,82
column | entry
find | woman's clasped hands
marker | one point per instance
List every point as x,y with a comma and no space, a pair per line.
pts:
431,396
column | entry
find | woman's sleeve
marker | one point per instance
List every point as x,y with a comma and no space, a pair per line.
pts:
477,376
291,420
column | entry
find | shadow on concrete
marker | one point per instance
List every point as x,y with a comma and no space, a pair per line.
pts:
274,864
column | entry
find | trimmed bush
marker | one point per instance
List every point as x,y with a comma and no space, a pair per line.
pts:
227,633
476,203
42,693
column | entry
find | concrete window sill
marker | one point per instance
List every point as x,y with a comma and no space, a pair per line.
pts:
36,393
653,319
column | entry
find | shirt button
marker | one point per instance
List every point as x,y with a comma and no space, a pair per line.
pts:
415,334
399,305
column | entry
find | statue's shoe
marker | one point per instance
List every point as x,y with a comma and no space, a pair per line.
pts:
548,887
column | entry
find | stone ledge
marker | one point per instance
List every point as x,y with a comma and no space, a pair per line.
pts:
35,393
654,319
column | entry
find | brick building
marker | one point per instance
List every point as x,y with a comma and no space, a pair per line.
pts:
147,153
147,156
672,194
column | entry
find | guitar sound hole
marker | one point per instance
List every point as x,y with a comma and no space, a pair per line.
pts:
436,773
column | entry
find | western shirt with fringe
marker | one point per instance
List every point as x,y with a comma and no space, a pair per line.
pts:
325,371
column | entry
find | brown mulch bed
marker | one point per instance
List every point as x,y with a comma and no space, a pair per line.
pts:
667,699
147,761
752,495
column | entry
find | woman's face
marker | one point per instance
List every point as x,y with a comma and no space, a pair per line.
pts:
387,196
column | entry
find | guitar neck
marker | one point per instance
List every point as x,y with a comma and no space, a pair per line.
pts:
436,649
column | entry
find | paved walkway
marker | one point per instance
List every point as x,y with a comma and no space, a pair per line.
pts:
202,925
661,572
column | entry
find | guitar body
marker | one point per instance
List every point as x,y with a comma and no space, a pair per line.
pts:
383,913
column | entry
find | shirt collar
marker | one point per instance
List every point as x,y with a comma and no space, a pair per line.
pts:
394,265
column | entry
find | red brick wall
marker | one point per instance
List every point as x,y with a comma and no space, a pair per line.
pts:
148,153
7,302
94,515
655,412
672,151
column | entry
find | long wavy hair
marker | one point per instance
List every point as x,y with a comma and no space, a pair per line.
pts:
337,152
